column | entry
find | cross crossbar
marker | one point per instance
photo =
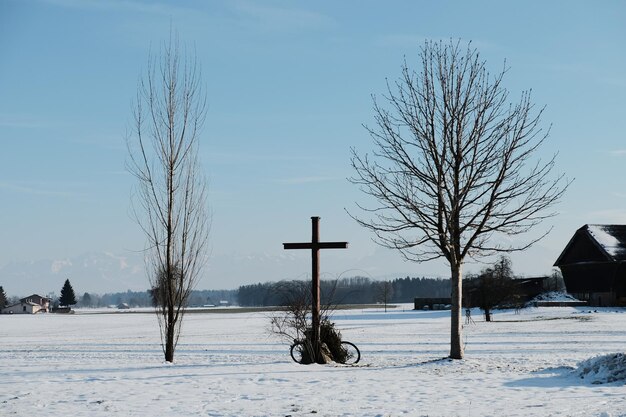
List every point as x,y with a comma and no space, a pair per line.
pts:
316,245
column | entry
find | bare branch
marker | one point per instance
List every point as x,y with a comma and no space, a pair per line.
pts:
170,201
454,162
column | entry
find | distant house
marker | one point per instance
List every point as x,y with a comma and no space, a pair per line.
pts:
593,264
430,303
29,305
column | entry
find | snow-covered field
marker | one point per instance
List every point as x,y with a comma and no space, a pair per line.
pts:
226,365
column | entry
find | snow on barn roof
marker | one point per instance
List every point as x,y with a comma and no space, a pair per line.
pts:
610,237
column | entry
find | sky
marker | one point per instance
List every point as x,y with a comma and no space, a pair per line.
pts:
289,88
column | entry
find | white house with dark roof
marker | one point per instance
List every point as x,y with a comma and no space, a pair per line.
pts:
29,305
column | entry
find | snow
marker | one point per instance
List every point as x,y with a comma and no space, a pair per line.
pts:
524,364
556,296
604,369
57,266
609,242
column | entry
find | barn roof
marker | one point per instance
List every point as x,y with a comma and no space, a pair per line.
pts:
610,239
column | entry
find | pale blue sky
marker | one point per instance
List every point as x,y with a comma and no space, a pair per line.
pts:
289,87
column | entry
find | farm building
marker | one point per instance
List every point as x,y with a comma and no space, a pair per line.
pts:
593,264
29,305
516,291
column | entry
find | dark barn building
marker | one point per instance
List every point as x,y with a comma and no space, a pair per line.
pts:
593,265
520,291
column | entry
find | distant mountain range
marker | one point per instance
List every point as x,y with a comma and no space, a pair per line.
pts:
89,272
103,272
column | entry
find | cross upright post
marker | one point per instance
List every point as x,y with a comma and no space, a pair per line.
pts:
315,278
315,245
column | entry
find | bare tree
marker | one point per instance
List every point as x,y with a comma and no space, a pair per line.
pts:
384,292
453,166
294,320
492,287
170,203
555,281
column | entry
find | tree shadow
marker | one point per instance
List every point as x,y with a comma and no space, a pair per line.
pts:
441,360
560,376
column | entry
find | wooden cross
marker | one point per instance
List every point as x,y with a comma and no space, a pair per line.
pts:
315,245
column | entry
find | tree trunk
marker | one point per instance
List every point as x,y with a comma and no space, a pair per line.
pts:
456,339
169,337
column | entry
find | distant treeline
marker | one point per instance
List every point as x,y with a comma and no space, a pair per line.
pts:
356,290
144,299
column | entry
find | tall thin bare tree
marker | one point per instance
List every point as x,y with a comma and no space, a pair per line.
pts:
170,202
453,166
384,292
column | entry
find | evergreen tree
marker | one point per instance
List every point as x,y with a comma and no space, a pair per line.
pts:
68,297
3,298
86,300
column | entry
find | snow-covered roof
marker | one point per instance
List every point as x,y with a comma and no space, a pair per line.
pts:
610,237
